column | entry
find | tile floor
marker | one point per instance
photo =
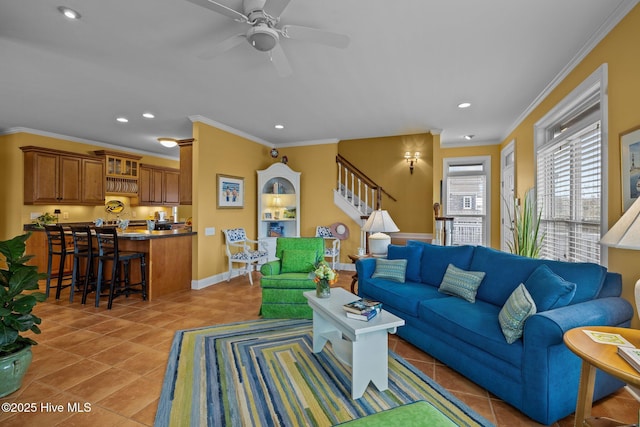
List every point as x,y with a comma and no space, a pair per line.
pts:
114,361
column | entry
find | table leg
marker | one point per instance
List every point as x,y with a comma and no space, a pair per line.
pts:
370,363
323,331
585,393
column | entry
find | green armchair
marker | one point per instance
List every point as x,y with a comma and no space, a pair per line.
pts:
284,280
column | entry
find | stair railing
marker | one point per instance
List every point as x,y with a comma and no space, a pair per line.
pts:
358,188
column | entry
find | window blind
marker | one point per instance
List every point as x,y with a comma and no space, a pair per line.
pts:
569,195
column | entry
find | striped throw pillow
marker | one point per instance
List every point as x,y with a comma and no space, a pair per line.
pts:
390,269
461,283
518,308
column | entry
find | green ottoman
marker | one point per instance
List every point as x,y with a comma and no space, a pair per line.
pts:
416,414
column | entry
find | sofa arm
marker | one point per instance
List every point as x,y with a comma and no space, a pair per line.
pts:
270,268
547,328
365,268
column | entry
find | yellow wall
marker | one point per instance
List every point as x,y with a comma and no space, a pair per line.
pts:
619,50
382,160
14,213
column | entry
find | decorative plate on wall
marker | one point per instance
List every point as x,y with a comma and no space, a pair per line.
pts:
114,206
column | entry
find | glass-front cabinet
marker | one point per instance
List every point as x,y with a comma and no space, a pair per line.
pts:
278,204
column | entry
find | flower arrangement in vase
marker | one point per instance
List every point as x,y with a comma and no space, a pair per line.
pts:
324,276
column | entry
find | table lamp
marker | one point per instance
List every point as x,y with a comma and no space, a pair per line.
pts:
625,234
379,222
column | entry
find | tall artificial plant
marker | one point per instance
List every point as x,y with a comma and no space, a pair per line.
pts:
18,296
526,238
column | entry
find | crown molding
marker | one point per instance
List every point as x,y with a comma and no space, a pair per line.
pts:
612,20
14,130
310,142
232,130
457,144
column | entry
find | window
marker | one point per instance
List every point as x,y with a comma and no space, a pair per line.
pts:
466,189
570,182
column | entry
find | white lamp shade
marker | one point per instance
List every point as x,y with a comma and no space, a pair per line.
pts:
380,221
625,233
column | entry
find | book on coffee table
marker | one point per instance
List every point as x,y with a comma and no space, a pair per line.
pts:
631,355
361,305
608,338
365,315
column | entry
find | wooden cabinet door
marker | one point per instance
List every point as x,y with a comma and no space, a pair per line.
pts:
43,178
156,186
171,188
145,186
93,185
69,179
186,168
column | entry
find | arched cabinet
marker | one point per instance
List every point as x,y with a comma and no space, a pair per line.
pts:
278,204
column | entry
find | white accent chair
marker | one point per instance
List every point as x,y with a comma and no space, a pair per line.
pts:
241,250
332,244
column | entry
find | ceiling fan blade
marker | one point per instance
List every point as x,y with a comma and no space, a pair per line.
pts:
222,9
275,7
222,47
280,61
316,36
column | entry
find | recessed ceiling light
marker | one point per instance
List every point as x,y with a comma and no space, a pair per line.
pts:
468,137
122,119
148,115
279,126
464,105
168,142
68,12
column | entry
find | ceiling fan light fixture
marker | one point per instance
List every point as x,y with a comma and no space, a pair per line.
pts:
262,37
168,142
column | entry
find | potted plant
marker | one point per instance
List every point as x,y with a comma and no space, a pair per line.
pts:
18,297
525,228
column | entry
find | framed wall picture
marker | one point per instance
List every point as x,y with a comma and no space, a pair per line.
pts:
230,192
630,164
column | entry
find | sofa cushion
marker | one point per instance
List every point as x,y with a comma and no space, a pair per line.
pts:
461,283
435,260
506,271
298,261
391,269
412,254
549,290
475,324
288,281
403,297
518,308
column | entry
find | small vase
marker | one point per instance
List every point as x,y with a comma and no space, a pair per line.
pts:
323,290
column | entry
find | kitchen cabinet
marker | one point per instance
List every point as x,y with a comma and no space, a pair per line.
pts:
186,171
158,186
60,177
122,172
278,205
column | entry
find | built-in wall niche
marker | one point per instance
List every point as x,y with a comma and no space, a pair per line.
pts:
278,204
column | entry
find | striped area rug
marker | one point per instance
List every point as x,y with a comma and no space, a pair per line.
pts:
264,373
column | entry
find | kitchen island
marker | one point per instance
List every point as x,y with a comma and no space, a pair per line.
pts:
168,256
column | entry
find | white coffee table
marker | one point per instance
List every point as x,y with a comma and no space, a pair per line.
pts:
361,345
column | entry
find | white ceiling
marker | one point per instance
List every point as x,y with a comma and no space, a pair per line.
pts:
408,65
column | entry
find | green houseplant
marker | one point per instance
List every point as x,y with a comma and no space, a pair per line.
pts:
526,239
18,297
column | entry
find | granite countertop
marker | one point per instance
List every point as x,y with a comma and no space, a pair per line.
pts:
135,232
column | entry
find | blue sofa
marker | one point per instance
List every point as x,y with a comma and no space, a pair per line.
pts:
537,373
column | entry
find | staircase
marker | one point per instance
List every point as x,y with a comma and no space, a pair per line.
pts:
356,194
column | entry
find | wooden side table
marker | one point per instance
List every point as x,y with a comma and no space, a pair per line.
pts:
354,278
604,357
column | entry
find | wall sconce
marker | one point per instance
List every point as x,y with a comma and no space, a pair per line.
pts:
412,159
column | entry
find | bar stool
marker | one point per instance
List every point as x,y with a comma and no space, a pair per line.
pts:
82,256
108,252
57,246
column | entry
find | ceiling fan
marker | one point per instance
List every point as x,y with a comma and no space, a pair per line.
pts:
264,33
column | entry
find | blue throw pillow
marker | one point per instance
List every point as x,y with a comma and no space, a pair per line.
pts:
549,290
461,283
518,308
390,269
412,254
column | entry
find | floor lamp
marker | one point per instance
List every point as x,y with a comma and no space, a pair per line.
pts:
379,223
625,234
